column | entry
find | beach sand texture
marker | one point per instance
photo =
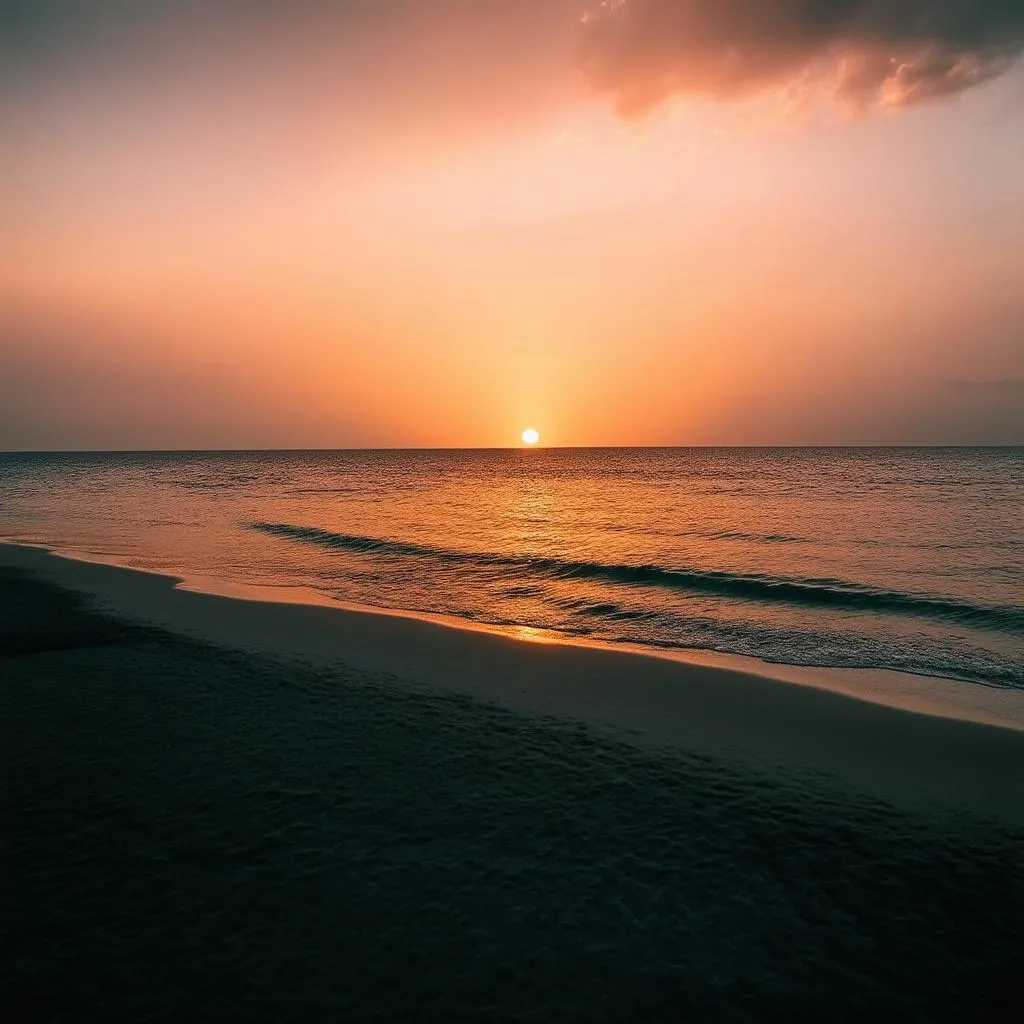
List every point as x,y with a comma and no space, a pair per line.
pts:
222,809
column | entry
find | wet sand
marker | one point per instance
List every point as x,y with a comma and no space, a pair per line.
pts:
231,809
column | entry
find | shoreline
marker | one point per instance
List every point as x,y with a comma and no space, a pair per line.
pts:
904,755
900,689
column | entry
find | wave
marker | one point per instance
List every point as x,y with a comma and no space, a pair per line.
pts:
820,593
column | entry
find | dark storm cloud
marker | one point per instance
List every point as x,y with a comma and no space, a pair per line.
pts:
868,52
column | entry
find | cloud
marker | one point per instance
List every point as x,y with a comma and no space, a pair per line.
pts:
866,53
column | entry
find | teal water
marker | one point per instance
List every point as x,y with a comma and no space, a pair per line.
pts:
909,559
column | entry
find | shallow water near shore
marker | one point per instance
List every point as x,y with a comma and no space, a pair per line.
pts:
906,559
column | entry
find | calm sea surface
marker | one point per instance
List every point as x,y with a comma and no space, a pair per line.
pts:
891,558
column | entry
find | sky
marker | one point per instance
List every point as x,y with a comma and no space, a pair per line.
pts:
348,223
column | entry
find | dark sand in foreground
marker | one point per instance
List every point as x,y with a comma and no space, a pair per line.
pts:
199,830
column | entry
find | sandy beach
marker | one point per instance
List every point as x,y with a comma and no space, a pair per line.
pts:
765,715
220,808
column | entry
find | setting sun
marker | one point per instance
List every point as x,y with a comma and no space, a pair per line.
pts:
530,436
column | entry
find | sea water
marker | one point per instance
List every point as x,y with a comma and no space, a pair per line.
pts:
895,558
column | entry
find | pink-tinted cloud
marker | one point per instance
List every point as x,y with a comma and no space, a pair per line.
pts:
867,53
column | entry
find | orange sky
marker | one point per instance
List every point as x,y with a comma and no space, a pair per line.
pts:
437,223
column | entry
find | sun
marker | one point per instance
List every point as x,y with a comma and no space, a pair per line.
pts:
530,436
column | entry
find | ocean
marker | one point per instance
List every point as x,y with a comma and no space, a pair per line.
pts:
895,558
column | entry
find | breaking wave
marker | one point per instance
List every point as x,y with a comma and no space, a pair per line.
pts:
825,593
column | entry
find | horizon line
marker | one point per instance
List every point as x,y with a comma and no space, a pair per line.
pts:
500,448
